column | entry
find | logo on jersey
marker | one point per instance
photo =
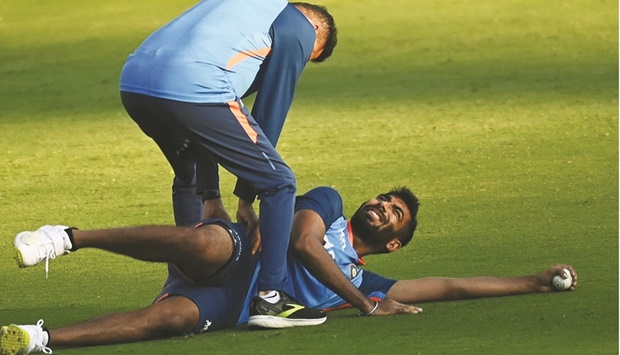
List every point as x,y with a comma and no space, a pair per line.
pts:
343,239
353,271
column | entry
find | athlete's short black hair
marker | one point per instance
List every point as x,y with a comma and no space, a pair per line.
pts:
328,21
413,204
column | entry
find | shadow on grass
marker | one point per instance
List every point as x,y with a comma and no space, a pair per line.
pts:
82,77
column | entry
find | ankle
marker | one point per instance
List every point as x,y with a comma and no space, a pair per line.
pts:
70,244
270,296
46,337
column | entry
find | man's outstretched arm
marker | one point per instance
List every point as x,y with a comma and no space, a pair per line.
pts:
307,242
431,289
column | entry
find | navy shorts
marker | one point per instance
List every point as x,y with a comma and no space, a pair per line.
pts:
221,301
374,286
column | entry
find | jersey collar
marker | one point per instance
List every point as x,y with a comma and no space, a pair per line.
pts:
360,261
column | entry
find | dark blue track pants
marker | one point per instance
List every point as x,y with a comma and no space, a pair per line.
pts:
194,139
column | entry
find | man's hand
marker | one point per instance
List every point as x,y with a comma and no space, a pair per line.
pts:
545,278
247,217
389,306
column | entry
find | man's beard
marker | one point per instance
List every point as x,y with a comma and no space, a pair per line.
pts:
365,231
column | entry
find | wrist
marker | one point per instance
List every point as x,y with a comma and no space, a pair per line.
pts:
211,195
369,313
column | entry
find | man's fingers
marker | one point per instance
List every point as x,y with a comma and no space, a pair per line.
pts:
256,243
389,306
413,309
254,232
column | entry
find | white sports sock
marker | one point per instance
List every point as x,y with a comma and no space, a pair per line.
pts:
272,297
67,238
46,337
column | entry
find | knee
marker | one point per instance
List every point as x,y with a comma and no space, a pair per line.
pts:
289,179
171,322
172,325
205,250
181,183
196,242
282,176
283,183
279,193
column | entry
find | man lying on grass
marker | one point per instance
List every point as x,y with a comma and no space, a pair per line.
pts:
211,272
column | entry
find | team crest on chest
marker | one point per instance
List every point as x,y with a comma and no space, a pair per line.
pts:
353,271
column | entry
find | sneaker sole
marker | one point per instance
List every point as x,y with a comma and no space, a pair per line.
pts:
275,322
13,340
19,258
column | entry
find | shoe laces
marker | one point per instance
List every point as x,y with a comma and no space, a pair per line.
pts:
39,346
50,254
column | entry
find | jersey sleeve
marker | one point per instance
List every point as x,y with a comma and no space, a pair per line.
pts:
323,200
293,41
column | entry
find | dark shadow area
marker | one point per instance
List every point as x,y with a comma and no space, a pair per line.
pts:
82,77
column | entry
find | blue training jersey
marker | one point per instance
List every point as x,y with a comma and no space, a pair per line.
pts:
217,51
209,54
338,238
220,51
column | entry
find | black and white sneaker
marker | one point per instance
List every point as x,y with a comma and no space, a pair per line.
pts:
285,313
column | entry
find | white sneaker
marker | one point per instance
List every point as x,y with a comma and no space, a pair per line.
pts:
45,243
23,339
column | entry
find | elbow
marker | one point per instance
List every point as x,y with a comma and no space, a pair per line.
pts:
454,290
300,247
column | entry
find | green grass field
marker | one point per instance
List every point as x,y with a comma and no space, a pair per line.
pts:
501,115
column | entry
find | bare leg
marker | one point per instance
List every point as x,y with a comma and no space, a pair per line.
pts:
174,316
197,251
